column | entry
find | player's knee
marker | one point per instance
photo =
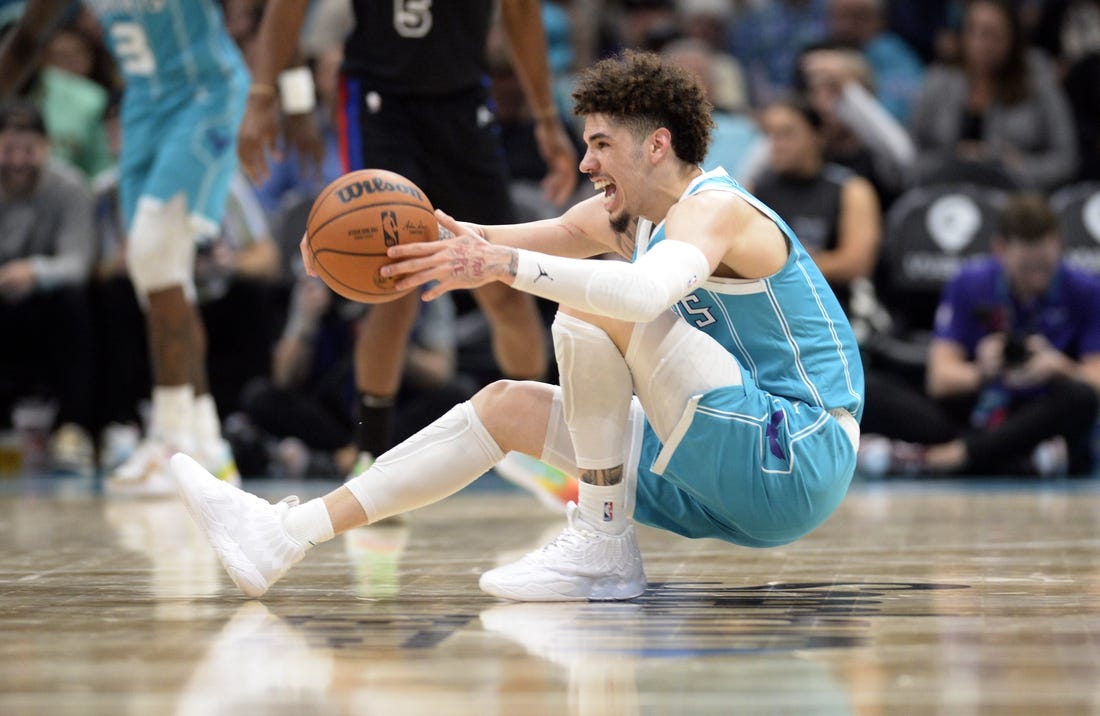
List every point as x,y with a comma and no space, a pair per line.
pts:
161,251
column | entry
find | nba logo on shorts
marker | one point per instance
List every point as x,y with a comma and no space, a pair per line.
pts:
389,228
608,511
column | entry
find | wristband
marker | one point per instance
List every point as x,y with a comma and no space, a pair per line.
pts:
296,91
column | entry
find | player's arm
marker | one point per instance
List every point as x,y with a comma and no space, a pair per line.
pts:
523,24
23,44
276,45
637,292
580,232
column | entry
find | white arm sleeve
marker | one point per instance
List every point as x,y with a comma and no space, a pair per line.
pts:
636,292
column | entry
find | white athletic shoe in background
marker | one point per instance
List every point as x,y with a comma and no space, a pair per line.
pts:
145,472
246,532
583,563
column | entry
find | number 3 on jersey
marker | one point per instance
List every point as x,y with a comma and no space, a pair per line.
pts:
412,18
132,49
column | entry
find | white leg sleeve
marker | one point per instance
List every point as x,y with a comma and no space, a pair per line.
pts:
596,390
160,252
434,463
671,362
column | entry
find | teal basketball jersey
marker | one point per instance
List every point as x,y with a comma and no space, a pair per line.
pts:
787,330
164,45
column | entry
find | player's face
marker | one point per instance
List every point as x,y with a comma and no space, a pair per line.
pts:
22,156
614,161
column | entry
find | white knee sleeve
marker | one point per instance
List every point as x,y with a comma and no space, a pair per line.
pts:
671,362
596,390
160,250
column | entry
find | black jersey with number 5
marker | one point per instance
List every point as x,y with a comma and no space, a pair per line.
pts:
419,47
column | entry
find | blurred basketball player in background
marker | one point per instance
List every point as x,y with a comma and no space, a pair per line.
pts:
415,101
186,85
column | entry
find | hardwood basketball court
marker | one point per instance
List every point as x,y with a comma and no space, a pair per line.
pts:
915,598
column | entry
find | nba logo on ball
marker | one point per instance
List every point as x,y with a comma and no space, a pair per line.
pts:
389,228
608,511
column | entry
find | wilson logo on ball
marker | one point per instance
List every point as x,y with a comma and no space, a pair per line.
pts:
352,191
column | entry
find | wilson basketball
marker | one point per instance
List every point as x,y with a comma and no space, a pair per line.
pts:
352,223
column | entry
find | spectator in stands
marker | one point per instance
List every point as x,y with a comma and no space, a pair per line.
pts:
46,245
896,68
833,210
1014,365
859,132
1002,107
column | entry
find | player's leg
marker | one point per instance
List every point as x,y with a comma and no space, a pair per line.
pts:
597,556
159,256
176,171
380,347
258,542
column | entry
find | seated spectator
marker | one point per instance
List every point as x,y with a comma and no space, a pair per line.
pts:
46,245
1014,365
1003,106
896,68
859,133
833,210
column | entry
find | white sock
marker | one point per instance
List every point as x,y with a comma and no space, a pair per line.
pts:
173,412
207,427
603,506
436,462
309,523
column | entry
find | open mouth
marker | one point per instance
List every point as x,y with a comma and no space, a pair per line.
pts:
610,192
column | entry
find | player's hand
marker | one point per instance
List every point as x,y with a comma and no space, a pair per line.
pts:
258,136
464,261
302,133
560,157
307,256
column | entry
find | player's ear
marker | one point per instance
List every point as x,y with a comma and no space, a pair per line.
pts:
659,143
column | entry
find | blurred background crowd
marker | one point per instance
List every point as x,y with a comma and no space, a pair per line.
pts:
940,160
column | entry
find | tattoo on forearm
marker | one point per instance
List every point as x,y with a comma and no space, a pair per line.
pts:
603,477
513,263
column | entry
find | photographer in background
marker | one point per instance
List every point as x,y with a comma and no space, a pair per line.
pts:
1014,364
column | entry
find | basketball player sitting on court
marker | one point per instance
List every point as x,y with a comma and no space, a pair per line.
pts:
711,386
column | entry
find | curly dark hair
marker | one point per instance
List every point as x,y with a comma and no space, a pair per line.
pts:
644,93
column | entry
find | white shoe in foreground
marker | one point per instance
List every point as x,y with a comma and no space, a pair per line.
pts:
245,531
581,564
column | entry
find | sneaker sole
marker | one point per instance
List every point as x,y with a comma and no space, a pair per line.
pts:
616,591
189,476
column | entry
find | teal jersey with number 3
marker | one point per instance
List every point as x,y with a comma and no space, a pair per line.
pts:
166,46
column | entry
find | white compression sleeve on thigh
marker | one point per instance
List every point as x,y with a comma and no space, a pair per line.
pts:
436,462
636,292
596,391
671,362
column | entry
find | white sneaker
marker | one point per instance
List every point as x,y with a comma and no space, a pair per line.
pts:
246,532
582,563
551,486
145,472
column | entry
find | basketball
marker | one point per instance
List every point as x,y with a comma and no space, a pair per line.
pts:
352,223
